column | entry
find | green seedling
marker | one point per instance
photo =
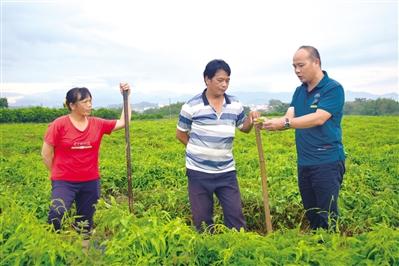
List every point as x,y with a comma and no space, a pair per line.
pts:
260,120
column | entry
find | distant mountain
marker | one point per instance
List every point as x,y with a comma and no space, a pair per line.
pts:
352,95
139,100
249,98
143,101
141,106
49,99
260,97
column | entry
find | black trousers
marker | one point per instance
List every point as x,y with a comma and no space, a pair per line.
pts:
64,193
202,186
319,186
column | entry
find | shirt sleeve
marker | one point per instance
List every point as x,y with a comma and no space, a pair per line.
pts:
333,100
51,135
108,125
185,118
293,100
241,117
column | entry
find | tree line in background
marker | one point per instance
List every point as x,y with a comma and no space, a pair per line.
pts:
380,106
276,107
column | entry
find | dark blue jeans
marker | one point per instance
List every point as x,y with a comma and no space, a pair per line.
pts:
202,186
64,193
319,186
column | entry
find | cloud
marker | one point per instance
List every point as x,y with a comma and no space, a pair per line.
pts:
376,78
163,46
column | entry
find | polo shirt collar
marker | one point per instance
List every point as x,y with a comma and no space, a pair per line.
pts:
320,85
323,81
206,102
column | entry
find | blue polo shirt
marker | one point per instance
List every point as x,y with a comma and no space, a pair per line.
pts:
320,144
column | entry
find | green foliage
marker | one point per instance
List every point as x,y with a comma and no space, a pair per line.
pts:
3,103
166,111
277,107
380,106
160,231
31,114
46,115
107,113
26,240
141,116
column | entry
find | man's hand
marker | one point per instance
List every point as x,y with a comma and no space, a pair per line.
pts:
249,121
258,122
253,116
274,124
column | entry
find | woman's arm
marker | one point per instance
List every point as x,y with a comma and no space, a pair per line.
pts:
47,155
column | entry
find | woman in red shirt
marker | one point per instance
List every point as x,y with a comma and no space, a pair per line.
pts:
71,151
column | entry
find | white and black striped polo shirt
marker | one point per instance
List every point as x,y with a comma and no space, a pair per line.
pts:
210,145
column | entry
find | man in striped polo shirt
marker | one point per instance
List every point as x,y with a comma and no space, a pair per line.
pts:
206,127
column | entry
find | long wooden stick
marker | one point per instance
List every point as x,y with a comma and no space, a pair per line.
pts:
128,157
262,165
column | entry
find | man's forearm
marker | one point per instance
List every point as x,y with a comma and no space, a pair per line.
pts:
183,137
184,141
247,126
310,120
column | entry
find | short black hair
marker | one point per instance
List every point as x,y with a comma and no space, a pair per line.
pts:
213,66
76,94
312,51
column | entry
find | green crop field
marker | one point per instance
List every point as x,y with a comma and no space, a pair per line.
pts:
160,231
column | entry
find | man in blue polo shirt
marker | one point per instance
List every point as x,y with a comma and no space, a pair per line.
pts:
206,126
315,113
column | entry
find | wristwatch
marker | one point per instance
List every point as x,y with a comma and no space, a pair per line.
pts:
287,123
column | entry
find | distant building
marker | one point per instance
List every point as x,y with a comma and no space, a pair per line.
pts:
259,107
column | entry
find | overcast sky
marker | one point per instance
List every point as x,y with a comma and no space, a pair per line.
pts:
163,46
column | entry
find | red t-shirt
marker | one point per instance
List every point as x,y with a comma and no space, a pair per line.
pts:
75,151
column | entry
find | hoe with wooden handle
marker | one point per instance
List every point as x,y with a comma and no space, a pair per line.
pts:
128,157
262,165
